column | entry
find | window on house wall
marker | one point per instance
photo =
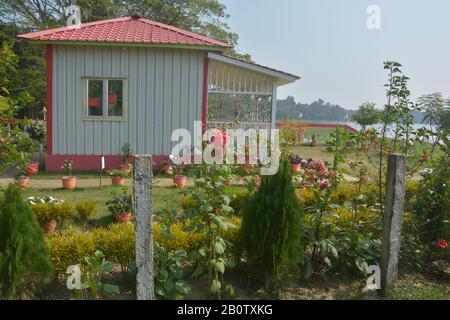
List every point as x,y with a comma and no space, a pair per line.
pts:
105,99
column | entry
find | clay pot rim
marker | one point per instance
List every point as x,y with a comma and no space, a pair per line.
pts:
68,177
124,213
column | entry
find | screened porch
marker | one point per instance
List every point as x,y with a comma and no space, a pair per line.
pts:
241,94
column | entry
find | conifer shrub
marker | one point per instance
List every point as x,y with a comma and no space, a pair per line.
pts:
24,258
272,227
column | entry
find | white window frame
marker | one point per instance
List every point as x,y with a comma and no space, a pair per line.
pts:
105,116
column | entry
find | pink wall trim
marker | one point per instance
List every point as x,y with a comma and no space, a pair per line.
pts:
54,162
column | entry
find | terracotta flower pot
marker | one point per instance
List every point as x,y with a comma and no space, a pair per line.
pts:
180,181
365,147
295,167
123,217
365,179
50,227
112,99
69,183
32,169
118,181
23,182
93,102
125,168
314,143
228,183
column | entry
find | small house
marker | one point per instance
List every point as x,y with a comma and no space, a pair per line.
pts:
134,80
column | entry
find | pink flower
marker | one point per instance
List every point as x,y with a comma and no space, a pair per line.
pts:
442,244
324,185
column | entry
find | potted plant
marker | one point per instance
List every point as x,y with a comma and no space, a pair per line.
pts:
32,169
166,167
127,152
21,178
296,162
314,142
118,177
120,207
47,211
69,181
178,179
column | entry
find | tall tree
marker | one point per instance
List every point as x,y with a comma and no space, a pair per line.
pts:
367,115
207,17
436,108
24,258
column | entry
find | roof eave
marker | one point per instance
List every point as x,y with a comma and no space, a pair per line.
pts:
283,78
127,44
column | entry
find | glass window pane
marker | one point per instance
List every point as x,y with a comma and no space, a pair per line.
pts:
95,99
115,98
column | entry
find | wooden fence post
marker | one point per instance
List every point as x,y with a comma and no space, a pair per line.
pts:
392,221
143,221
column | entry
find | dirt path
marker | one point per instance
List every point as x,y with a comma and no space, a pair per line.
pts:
82,183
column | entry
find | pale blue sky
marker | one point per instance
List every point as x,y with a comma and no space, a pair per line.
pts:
328,44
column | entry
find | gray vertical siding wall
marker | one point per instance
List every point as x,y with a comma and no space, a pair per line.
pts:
164,93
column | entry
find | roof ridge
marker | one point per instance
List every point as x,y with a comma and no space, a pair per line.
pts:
179,30
146,22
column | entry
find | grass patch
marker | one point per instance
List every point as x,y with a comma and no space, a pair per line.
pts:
42,175
163,198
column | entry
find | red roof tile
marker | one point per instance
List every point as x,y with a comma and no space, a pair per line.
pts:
125,30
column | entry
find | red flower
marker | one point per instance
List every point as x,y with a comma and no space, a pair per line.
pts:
324,185
442,244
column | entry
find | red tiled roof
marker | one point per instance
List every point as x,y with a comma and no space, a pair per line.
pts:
127,30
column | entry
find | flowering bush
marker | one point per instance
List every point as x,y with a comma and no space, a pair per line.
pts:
68,167
315,174
46,199
120,203
442,244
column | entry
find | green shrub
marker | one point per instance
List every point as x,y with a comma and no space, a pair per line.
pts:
46,212
70,249
117,243
86,210
272,226
24,258
432,206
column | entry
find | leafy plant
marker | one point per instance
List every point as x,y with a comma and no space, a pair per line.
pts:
118,173
36,130
432,205
169,283
47,208
295,159
86,210
127,152
68,167
367,115
92,277
24,258
272,226
212,217
120,203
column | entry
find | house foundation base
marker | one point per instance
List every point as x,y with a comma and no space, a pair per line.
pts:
54,162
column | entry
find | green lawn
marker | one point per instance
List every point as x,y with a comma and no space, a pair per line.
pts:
163,197
42,175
